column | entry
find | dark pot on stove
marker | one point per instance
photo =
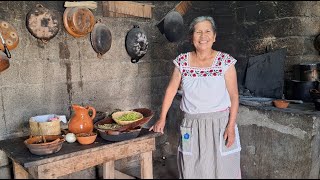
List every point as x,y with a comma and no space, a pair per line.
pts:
300,90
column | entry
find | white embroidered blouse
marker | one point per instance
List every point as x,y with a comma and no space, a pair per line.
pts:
204,89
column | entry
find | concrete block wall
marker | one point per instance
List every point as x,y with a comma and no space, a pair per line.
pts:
280,24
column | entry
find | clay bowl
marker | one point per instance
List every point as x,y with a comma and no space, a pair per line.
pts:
37,145
86,138
281,103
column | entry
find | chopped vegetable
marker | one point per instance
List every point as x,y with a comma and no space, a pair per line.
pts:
131,116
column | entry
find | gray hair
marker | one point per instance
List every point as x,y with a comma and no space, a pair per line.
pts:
201,19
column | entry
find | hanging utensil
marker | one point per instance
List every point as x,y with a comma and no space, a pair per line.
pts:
136,43
101,38
10,35
43,23
6,50
4,61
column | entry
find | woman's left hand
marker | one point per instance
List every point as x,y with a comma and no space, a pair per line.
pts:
229,135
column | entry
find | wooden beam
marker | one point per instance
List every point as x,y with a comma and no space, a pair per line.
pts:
146,165
19,172
87,4
126,9
120,175
108,170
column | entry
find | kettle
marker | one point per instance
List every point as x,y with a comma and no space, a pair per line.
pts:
81,121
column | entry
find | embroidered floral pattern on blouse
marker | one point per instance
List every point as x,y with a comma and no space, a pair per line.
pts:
201,73
181,60
224,60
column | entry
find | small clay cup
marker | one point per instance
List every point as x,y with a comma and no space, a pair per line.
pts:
281,103
86,138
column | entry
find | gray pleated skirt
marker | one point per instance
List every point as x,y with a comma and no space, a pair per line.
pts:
201,152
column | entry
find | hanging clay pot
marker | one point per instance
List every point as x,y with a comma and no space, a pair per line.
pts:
9,34
78,21
101,38
42,23
136,43
4,61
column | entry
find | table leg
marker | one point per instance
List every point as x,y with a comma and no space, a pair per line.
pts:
19,172
108,170
146,165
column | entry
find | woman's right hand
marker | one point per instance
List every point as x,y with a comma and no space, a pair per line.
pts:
158,126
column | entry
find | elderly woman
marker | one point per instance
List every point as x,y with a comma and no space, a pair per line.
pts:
209,146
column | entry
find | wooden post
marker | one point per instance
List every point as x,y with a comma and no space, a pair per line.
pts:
19,172
146,165
108,170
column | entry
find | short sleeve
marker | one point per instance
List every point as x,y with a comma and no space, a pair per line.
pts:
181,61
176,62
227,62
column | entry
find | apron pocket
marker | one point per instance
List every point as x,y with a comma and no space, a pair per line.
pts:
235,147
185,142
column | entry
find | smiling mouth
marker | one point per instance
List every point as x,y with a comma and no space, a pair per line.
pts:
203,42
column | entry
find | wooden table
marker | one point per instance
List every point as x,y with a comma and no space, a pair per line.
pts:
75,157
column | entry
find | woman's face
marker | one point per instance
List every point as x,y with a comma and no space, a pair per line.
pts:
203,36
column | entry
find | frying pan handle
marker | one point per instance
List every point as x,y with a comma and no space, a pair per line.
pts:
6,51
134,60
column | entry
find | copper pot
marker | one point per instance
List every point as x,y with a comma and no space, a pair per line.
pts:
78,21
10,35
4,61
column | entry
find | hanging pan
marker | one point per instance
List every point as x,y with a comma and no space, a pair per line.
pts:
4,61
42,23
78,21
9,34
136,43
101,38
173,26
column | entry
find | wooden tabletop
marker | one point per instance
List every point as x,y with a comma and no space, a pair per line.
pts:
15,149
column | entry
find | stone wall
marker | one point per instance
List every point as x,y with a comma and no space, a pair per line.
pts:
278,24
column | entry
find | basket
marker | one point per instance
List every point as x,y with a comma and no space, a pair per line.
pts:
39,125
117,115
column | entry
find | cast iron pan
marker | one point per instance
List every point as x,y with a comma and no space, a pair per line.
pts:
101,38
173,26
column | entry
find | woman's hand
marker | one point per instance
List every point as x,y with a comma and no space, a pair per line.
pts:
158,126
229,135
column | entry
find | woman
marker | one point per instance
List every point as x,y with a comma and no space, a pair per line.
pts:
209,146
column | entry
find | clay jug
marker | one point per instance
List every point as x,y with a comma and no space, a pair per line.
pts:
81,121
